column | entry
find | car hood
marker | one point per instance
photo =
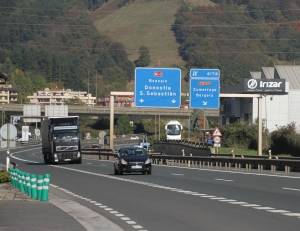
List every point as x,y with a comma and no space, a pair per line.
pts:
135,158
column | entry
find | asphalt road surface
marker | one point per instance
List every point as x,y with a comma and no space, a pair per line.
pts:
173,198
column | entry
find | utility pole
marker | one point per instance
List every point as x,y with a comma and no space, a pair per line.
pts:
96,87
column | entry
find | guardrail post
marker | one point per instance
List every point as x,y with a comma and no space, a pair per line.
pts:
287,170
200,164
226,166
235,167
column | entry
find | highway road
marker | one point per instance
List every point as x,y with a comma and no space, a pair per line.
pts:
173,198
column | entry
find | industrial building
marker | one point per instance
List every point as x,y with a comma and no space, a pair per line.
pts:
280,87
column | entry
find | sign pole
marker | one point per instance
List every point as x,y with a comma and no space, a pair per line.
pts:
8,148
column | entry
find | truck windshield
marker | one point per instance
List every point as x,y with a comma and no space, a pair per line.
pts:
66,136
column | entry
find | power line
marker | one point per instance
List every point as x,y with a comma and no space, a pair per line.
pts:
125,34
154,50
203,12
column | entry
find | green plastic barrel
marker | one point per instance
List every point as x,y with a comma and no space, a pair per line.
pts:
40,180
33,186
28,186
45,191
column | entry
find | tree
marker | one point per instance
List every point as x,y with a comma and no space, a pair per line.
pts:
123,124
144,58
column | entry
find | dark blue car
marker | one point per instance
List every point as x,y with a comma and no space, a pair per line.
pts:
132,159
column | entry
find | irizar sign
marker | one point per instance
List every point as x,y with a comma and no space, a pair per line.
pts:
264,85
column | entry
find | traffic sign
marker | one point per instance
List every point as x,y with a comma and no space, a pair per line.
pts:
217,139
88,135
205,73
204,93
157,87
217,132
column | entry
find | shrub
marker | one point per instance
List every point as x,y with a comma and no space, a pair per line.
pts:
4,176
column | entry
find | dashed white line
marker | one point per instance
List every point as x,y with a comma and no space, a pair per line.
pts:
263,208
292,189
223,180
250,205
278,211
177,174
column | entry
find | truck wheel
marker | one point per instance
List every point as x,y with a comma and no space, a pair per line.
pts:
45,159
78,162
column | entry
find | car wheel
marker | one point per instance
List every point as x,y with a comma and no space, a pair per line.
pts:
143,172
120,172
115,170
149,172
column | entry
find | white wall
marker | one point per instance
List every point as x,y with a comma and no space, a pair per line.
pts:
275,110
294,107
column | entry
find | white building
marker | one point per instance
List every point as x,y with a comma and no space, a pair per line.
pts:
280,105
57,96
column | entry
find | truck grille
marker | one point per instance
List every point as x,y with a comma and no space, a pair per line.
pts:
67,155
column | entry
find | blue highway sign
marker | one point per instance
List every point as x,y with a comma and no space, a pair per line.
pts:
157,87
204,93
204,73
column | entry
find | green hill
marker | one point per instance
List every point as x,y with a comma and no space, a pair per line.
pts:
144,23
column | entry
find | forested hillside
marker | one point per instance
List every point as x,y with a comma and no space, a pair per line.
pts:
54,44
238,36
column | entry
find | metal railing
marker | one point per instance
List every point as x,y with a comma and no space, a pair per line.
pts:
209,162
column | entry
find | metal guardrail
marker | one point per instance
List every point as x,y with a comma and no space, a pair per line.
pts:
209,162
98,153
248,163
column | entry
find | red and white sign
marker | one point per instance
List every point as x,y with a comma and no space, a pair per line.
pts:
217,132
217,139
158,74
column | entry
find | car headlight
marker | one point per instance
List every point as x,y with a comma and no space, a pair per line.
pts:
123,161
148,161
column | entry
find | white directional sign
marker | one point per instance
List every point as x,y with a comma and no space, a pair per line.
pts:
157,87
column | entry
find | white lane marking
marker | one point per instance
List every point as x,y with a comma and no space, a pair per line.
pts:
177,174
131,222
89,163
293,189
103,165
218,198
227,200
238,203
292,214
125,218
251,205
208,196
224,180
278,211
265,208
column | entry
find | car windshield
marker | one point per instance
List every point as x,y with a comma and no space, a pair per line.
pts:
133,152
